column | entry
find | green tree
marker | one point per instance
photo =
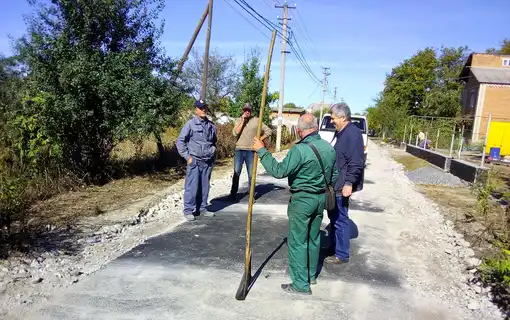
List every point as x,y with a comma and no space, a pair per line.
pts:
424,85
290,105
98,75
504,48
222,78
250,88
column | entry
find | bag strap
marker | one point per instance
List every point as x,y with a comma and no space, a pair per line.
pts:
320,161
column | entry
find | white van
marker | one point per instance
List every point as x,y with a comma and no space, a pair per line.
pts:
327,130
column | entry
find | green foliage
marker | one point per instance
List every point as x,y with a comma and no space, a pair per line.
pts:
250,88
484,187
12,199
423,85
504,48
497,269
222,78
290,105
101,74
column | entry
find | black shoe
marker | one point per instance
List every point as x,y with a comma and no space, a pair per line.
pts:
289,288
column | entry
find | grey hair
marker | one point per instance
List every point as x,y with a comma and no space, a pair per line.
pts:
341,110
307,122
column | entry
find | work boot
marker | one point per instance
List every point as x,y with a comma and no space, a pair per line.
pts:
189,217
289,288
335,260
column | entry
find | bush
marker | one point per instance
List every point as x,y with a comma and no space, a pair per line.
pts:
497,269
226,144
13,200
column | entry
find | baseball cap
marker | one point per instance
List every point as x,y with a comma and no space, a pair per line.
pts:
247,106
201,104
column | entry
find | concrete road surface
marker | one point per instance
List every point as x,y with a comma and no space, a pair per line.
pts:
194,272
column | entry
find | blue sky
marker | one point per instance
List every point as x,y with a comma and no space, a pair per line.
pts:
359,40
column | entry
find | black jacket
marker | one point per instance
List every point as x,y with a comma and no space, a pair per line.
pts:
349,158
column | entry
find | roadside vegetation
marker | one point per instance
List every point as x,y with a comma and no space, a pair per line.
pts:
90,108
425,86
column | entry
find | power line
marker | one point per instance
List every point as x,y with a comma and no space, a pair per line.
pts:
306,34
248,20
270,26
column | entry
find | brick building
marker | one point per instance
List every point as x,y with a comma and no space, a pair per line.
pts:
487,89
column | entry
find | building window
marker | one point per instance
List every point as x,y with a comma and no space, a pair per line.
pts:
472,98
506,62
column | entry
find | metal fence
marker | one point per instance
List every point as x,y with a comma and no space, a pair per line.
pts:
463,138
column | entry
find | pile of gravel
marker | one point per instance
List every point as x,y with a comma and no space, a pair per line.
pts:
434,176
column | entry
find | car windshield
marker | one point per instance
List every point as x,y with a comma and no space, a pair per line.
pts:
327,125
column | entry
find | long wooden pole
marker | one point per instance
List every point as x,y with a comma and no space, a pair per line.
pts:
243,289
206,55
192,40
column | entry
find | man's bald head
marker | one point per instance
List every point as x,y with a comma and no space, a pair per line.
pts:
307,124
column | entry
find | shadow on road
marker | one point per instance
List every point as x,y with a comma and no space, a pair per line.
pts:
220,203
259,270
364,206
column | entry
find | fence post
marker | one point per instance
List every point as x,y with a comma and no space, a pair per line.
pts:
416,144
453,139
437,138
461,144
411,134
425,142
485,140
405,132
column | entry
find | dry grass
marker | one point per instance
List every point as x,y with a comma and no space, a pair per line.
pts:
134,184
409,162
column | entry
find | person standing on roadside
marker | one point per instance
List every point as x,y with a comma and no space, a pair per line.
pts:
350,163
307,180
244,130
197,145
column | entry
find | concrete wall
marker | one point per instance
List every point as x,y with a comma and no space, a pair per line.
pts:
433,157
464,170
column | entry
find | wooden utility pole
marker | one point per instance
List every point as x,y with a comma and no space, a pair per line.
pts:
193,38
206,55
285,20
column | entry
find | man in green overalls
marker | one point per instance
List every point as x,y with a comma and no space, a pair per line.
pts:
306,206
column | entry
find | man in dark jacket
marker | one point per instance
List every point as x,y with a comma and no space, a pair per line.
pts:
350,163
197,145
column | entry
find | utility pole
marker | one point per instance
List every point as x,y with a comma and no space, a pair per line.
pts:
324,86
334,97
285,20
206,55
192,40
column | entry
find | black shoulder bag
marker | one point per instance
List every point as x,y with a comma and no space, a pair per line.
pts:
330,191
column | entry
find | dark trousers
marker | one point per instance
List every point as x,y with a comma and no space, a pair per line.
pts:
339,235
241,157
198,176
